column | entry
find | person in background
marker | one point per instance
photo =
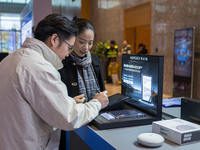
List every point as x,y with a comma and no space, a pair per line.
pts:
34,101
82,72
110,53
113,71
142,48
126,48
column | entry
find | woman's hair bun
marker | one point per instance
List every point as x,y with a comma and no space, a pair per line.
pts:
75,18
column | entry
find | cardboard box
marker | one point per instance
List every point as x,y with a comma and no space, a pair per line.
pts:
177,130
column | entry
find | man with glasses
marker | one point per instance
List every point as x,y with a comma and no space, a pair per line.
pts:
34,102
70,48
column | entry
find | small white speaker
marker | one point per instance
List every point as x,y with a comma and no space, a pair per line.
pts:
150,139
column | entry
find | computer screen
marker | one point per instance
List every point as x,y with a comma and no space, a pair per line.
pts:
142,81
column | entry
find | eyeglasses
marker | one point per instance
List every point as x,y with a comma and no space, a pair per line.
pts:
70,48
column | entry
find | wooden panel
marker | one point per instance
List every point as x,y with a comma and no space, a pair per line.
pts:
137,15
143,36
85,9
137,22
129,36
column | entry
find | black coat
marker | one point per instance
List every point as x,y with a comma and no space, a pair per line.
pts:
70,77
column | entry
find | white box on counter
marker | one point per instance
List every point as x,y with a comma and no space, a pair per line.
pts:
177,130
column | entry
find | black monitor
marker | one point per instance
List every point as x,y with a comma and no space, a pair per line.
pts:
142,85
142,81
2,56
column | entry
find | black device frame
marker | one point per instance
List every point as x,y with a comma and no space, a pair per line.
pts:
190,110
101,123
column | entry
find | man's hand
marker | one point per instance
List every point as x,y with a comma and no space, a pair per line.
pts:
102,98
79,98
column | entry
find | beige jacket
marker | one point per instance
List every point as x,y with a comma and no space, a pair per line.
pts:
34,103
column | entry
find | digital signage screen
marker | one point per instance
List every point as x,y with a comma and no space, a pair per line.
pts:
183,62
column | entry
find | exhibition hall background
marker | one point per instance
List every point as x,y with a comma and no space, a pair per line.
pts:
113,17
151,21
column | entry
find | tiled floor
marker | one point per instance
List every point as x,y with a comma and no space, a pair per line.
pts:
113,89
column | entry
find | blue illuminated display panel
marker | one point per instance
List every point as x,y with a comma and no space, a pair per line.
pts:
26,30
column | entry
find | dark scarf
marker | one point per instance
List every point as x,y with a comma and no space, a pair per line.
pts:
91,86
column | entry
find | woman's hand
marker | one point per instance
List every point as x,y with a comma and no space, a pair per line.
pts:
79,98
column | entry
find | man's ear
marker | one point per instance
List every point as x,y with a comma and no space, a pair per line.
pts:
54,39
